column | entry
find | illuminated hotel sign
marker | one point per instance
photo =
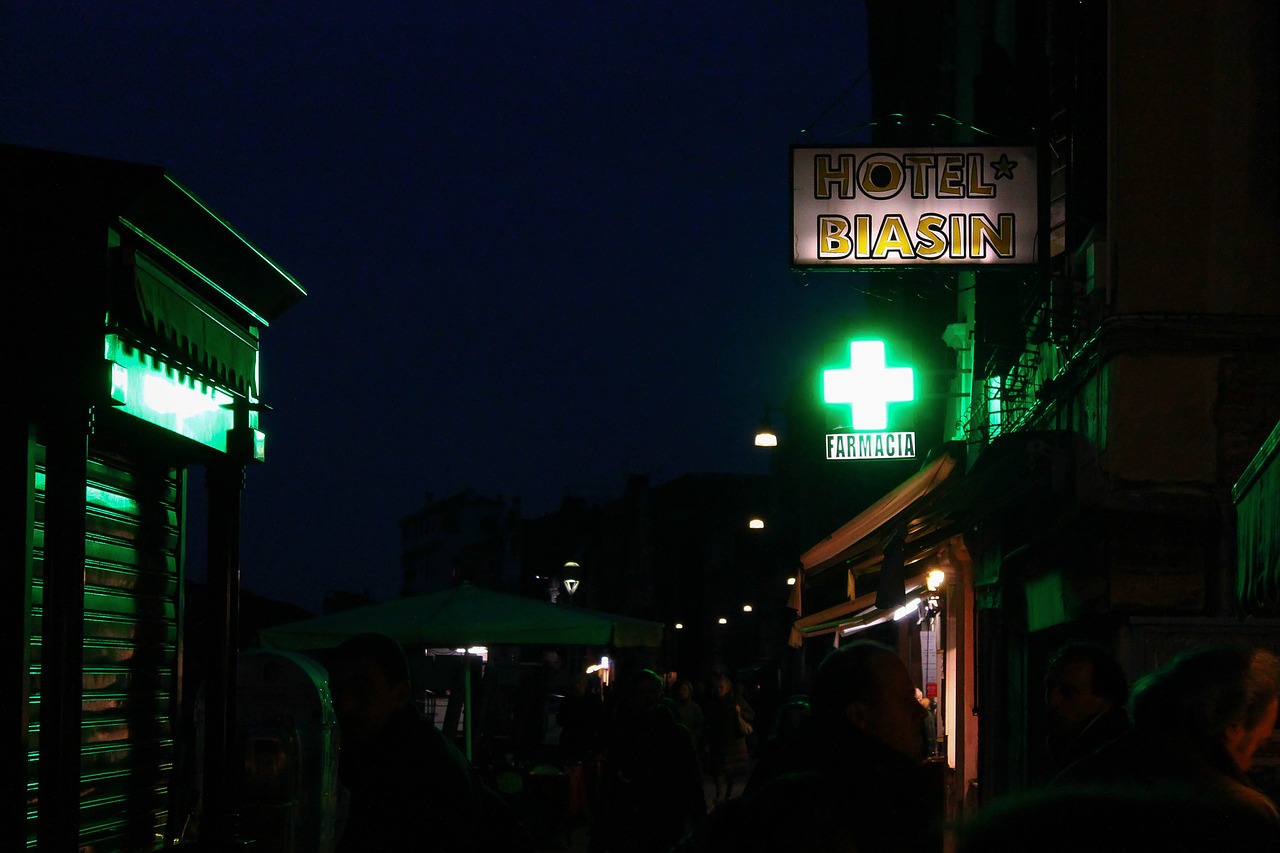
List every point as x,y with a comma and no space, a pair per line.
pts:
867,386
878,207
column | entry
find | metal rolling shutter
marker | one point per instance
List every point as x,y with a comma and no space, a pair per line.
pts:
131,653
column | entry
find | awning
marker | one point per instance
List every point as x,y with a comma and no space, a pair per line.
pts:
857,611
1257,498
929,513
465,616
195,332
857,540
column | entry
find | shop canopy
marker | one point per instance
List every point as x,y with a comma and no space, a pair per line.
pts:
895,509
907,512
1257,499
927,515
466,616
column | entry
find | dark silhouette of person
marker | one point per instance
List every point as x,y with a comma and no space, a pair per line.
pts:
789,720
928,725
850,779
581,718
409,787
651,794
1085,691
1105,820
724,738
687,712
1197,723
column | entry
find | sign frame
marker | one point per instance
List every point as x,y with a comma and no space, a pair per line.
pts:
876,207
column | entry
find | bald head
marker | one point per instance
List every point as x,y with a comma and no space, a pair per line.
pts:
866,684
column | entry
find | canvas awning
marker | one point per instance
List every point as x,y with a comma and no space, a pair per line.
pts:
927,514
896,510
1257,498
856,611
465,616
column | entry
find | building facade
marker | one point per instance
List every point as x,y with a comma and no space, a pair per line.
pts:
1105,399
465,537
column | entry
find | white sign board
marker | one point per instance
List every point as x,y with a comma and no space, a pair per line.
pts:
879,207
871,445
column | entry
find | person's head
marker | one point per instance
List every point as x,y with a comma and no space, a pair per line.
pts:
369,679
1219,693
721,686
1083,681
641,693
791,717
866,685
683,690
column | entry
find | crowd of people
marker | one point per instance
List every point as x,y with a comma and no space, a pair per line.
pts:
1163,765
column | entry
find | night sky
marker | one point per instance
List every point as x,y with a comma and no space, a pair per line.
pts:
546,244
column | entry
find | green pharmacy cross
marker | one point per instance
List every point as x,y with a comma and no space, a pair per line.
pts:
868,386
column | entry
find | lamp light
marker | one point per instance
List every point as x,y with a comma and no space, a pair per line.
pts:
912,606
765,436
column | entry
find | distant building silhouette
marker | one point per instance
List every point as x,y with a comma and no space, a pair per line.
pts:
465,537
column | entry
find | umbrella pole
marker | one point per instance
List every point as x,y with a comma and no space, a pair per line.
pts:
466,705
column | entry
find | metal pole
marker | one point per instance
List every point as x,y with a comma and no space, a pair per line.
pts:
468,717
219,822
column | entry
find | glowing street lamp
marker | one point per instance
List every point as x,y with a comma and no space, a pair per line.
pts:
571,582
765,436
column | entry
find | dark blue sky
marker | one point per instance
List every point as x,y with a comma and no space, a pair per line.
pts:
546,245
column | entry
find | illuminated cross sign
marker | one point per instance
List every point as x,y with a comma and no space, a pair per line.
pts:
868,386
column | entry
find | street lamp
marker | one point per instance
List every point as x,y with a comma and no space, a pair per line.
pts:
571,570
765,436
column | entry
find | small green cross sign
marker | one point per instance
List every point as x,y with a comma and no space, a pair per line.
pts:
868,386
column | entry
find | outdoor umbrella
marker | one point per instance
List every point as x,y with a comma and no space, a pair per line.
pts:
466,616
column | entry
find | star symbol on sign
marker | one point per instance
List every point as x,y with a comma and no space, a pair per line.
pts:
1004,167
